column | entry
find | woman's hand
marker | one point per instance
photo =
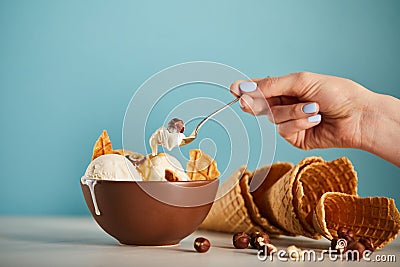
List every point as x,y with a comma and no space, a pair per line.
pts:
311,110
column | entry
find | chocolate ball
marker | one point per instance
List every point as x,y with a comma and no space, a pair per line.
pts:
350,234
259,239
333,245
241,240
201,244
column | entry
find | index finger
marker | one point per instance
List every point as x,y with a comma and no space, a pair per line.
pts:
293,85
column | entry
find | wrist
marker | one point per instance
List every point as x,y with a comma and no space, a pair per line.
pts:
369,122
380,127
362,115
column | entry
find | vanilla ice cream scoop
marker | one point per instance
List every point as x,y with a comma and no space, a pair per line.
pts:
112,167
163,162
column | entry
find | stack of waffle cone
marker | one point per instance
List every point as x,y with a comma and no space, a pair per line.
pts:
313,198
279,201
373,217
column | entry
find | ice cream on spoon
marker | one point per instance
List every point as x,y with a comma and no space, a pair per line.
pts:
169,137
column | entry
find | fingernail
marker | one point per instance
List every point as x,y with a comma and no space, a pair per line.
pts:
248,87
315,118
246,99
310,108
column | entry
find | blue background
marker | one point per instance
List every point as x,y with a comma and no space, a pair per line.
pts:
69,68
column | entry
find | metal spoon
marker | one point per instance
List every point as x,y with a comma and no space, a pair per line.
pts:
193,135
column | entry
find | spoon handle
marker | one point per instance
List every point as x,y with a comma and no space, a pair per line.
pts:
213,114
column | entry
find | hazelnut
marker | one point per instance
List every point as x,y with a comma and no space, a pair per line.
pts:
346,234
294,252
367,242
137,159
354,251
350,234
341,231
339,244
201,244
259,239
241,240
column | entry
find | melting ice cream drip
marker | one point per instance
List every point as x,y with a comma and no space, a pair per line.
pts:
91,184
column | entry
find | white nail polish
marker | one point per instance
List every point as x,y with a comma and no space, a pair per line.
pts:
310,108
248,87
315,118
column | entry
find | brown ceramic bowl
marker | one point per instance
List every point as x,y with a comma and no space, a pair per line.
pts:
149,212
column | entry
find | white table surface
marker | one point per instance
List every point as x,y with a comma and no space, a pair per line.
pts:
79,241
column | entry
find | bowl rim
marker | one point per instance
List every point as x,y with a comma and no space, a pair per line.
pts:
146,182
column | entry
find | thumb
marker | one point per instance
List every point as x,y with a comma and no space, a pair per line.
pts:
294,84
254,105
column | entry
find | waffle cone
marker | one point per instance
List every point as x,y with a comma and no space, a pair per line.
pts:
373,217
229,213
279,207
264,178
314,180
102,146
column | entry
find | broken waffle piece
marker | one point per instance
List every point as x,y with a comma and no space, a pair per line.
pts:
376,218
201,166
102,146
